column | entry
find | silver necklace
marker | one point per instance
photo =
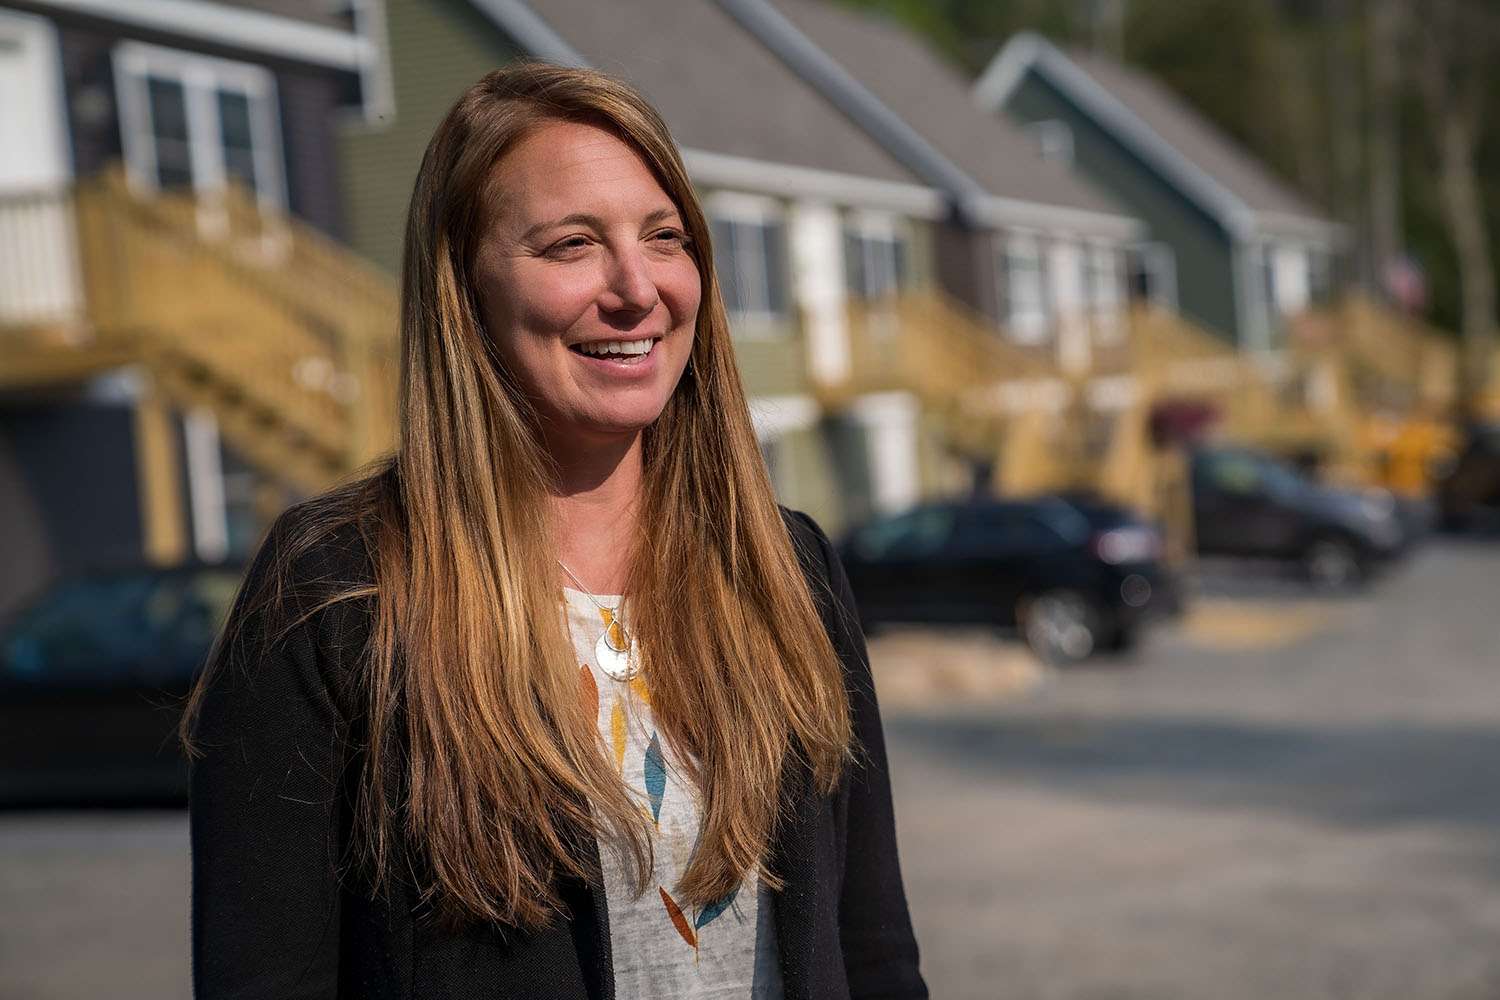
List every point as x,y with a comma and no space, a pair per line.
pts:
615,649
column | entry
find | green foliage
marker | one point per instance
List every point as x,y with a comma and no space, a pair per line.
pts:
1263,71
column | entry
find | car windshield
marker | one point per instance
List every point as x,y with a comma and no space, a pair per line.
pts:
147,627
916,533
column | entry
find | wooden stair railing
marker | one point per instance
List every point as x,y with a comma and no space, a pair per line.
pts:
288,338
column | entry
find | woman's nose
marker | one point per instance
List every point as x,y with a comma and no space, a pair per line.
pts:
629,286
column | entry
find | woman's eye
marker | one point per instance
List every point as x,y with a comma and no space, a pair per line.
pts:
672,236
569,244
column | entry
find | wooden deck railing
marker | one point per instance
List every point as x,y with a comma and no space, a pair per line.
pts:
289,338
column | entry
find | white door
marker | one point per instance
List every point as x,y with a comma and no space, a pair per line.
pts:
38,256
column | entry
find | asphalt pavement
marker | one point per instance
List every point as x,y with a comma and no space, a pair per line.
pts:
1285,796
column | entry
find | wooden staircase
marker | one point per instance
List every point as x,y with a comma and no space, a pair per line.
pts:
285,336
993,400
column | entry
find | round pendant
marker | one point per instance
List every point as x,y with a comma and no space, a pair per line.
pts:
619,664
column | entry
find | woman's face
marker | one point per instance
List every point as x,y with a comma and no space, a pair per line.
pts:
585,280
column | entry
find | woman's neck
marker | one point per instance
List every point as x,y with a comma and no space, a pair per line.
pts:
594,508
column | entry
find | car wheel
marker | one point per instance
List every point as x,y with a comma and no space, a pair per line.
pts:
1060,626
1333,564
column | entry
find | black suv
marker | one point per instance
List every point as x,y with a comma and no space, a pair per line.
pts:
1248,504
1468,492
1074,576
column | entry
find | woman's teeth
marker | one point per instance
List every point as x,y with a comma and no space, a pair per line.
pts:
628,348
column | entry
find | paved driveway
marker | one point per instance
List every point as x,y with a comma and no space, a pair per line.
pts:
1303,811
1281,799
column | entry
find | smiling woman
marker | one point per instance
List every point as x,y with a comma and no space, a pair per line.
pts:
426,765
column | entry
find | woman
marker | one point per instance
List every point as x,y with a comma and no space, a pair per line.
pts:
438,753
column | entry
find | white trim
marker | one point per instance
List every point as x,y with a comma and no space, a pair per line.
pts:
377,83
242,29
785,180
890,419
1011,212
205,474
774,416
55,96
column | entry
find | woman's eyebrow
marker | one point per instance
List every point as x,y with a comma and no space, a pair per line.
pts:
592,221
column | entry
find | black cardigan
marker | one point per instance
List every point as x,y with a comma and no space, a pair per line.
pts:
271,818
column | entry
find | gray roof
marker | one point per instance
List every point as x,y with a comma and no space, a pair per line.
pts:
1196,138
932,96
718,88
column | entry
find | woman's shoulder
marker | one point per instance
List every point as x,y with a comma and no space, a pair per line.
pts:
312,575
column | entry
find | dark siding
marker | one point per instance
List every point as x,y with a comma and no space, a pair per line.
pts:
1205,268
309,113
964,259
309,104
68,490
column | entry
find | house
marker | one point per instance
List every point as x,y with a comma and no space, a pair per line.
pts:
183,344
1033,248
810,213
1232,247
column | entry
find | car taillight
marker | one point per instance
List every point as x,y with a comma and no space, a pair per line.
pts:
1127,545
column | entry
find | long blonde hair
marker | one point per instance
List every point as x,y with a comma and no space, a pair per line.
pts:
469,682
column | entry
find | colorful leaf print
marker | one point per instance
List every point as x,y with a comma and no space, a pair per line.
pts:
589,691
678,920
656,776
617,734
638,685
712,910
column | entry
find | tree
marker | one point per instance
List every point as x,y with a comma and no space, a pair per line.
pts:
1458,41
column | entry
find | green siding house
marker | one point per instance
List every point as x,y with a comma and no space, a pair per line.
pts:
1231,247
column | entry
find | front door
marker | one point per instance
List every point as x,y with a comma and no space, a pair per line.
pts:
38,253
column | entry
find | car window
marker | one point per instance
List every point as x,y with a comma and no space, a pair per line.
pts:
911,535
997,531
146,628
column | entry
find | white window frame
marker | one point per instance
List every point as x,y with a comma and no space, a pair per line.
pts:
1034,326
869,226
758,210
201,78
1103,268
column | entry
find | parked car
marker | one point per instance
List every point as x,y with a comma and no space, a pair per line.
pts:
93,675
1468,490
1073,577
1248,504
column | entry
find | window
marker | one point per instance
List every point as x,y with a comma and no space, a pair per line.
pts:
874,256
1007,530
1101,283
749,237
192,122
907,536
1024,287
1054,140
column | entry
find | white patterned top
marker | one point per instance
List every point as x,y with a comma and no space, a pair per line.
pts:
663,951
